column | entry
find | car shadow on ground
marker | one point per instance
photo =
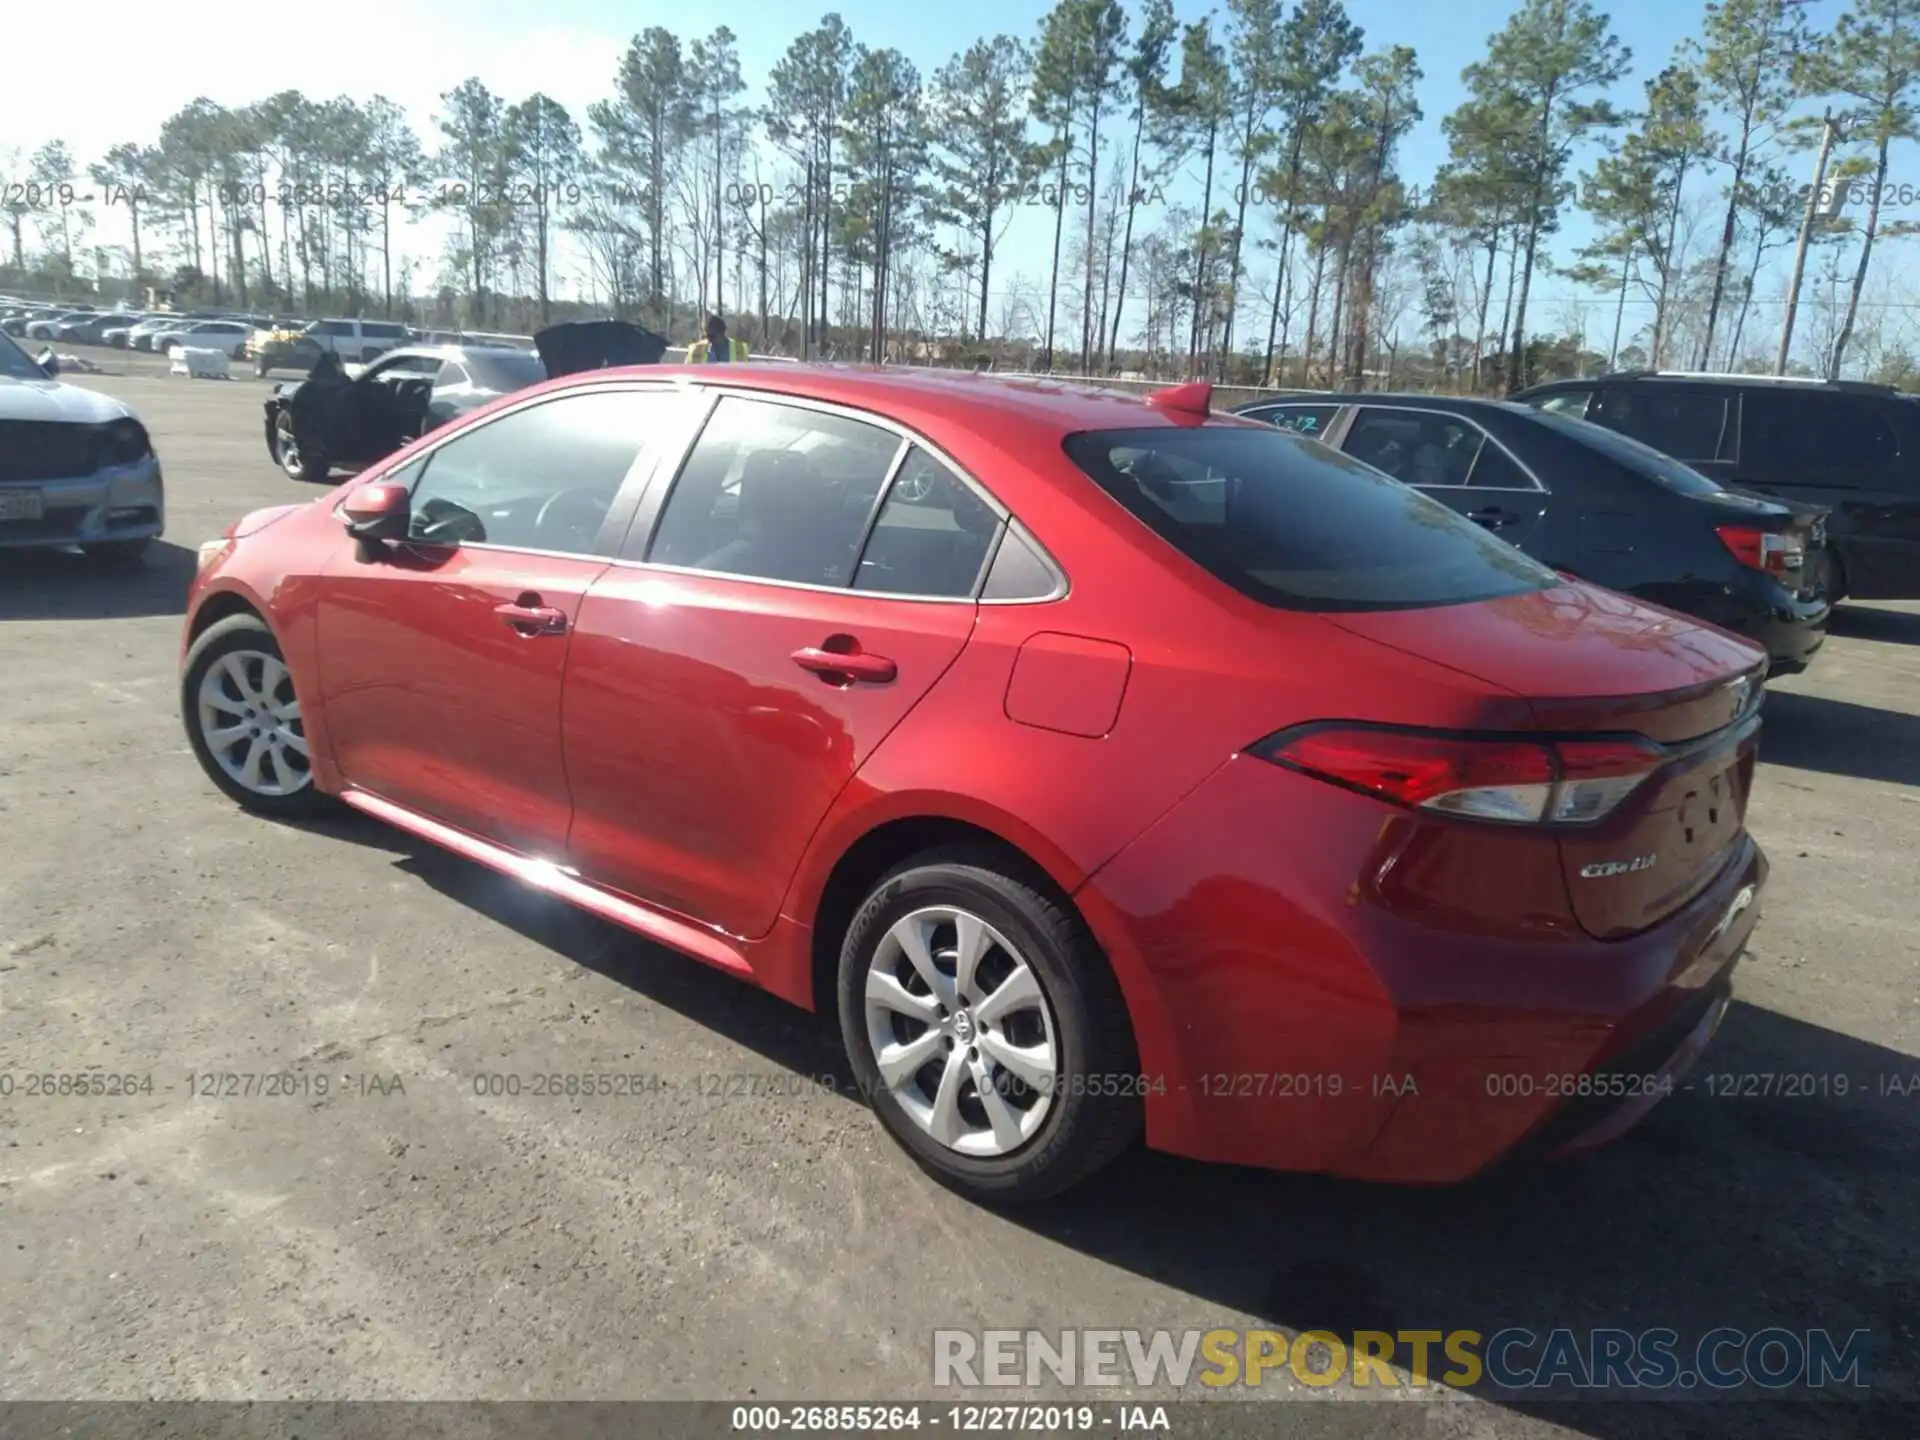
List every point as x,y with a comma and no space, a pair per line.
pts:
1774,1189
66,585
1837,737
1866,622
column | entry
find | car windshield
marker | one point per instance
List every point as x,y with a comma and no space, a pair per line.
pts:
1296,525
1642,459
505,369
15,364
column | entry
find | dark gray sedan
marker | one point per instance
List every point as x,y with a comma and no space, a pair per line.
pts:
351,417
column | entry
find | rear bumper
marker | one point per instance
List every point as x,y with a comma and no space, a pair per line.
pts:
1790,628
1308,1026
125,503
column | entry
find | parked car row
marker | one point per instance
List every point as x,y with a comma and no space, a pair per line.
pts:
1100,764
333,418
272,343
155,331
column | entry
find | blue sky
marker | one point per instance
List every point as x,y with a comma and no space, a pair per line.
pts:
409,50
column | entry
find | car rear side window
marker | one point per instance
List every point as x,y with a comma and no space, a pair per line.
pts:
1689,425
1566,402
931,536
1420,447
1495,469
776,492
1299,526
1314,420
505,370
1817,435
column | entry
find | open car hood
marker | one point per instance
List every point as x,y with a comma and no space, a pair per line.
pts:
595,344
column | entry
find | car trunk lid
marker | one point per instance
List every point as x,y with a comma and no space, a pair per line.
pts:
1591,663
568,348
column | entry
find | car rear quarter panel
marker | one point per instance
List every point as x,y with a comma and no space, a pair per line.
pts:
1211,672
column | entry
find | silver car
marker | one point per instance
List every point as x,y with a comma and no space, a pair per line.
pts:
76,467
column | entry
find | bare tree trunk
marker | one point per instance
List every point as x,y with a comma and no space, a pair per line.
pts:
1341,262
1486,305
1620,307
1726,242
1506,308
1200,257
1126,245
1313,313
1860,271
1059,229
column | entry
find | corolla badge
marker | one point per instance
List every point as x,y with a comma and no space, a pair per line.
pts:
1600,870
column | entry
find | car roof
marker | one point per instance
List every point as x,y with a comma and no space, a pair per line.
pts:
1291,397
445,352
916,397
1713,379
1453,404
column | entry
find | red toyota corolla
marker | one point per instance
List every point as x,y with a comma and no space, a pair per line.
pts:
1110,767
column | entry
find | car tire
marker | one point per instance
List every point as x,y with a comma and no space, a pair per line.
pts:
1073,1026
260,367
309,469
117,554
235,673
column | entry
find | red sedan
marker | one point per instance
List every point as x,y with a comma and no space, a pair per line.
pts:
1108,766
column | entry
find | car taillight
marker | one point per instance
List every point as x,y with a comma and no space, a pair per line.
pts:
1522,780
1763,549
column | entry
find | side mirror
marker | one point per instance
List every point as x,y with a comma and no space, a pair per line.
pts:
378,512
49,362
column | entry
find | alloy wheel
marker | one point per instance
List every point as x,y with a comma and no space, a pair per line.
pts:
250,720
962,1032
289,449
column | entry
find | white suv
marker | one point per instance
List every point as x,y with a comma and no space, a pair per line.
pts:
351,340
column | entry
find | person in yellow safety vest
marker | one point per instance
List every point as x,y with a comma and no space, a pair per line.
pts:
716,347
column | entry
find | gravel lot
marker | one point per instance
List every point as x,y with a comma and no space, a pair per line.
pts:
431,1242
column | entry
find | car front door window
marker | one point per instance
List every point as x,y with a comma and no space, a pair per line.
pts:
540,478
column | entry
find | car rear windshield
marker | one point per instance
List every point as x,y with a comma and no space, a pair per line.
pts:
1642,459
505,369
1298,526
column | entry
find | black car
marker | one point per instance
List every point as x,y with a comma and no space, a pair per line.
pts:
1596,505
333,419
1850,448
